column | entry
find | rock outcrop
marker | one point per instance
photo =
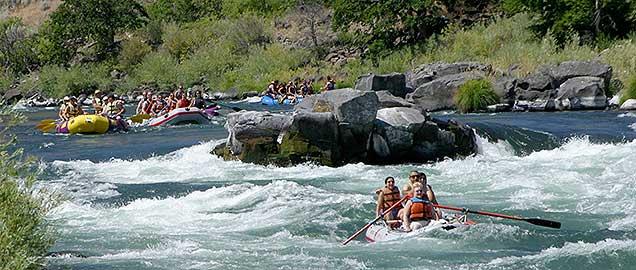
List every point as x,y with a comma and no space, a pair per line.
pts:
438,94
340,127
629,104
394,83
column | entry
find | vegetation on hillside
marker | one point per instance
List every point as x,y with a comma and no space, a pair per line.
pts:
241,45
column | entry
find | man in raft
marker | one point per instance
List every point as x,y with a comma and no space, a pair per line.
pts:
71,109
388,196
418,211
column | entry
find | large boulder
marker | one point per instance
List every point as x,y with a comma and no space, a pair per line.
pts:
629,104
438,94
571,69
395,83
429,72
253,136
389,101
439,139
312,137
396,127
581,93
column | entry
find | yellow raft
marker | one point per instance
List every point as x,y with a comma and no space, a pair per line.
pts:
87,124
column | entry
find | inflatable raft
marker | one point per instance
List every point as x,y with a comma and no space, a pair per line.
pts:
180,116
269,101
382,232
91,124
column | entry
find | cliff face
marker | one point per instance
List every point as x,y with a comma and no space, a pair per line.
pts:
32,12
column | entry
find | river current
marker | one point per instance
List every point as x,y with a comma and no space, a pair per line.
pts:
155,198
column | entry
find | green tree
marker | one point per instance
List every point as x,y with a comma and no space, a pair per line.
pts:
589,19
80,22
184,10
388,24
17,54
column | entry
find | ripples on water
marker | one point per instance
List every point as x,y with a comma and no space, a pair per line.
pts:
188,209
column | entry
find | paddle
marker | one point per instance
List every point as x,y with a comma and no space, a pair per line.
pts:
138,118
46,125
373,221
535,221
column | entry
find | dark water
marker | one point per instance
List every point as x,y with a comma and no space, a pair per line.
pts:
156,199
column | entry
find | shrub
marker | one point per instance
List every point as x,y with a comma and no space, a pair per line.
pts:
133,52
16,47
157,67
56,81
25,235
211,62
629,92
475,95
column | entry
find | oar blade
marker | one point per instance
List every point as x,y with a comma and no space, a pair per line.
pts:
139,118
544,222
47,128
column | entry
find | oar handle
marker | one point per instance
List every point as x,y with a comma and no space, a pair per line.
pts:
373,221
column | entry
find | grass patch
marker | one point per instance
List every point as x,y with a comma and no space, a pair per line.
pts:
629,92
475,95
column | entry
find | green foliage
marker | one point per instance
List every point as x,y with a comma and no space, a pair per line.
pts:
236,8
211,62
133,52
384,25
78,22
56,81
475,95
630,90
160,68
183,11
25,235
17,53
263,65
5,81
587,19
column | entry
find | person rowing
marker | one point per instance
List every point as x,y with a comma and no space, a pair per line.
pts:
418,211
414,177
388,196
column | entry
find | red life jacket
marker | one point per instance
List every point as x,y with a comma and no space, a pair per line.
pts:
421,209
182,103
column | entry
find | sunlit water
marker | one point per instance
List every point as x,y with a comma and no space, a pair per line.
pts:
157,199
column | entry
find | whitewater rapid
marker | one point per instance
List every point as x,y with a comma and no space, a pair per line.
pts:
191,210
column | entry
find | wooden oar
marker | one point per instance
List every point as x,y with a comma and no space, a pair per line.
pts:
138,118
373,221
535,221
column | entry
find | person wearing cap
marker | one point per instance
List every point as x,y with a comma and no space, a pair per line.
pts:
72,109
62,112
98,103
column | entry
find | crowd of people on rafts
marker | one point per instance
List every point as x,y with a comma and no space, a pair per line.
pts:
295,89
111,106
157,104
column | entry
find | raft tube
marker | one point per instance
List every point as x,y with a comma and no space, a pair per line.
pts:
380,232
180,116
86,124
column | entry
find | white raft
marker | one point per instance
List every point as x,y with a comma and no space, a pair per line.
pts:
180,116
381,232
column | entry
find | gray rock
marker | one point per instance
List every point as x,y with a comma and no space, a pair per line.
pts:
397,127
570,69
438,94
629,104
505,88
501,107
439,139
395,83
581,93
539,81
12,95
429,72
253,128
354,111
388,101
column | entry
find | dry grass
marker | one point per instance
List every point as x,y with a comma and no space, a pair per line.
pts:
34,13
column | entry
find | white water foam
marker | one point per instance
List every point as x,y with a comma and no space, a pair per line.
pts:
572,251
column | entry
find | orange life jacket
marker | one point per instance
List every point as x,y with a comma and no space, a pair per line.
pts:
390,197
421,209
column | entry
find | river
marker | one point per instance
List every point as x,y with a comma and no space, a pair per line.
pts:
155,198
